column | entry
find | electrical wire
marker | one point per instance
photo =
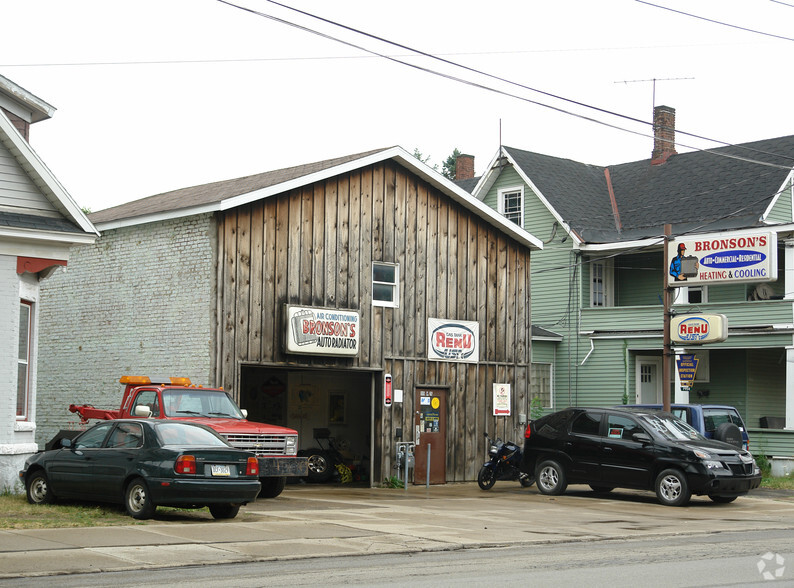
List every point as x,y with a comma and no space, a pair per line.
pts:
490,76
711,20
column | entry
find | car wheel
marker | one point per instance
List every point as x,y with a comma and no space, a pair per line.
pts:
672,488
272,487
138,501
601,489
486,478
319,466
526,480
38,489
722,499
550,478
729,433
224,511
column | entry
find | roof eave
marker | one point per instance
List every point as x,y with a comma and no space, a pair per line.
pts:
29,160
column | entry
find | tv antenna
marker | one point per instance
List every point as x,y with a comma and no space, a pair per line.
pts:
654,80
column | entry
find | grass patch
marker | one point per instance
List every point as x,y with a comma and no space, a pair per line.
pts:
16,513
781,483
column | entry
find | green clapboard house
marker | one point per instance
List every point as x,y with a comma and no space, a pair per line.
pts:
597,286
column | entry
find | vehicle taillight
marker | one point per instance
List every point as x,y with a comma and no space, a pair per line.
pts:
185,464
253,467
527,433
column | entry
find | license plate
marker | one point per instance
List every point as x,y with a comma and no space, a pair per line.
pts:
220,470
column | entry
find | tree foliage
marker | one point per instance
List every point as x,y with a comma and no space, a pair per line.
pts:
421,157
449,169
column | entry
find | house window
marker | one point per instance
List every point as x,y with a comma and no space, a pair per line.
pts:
540,383
385,284
511,205
23,362
601,283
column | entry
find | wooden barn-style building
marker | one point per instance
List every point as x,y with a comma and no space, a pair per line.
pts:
367,295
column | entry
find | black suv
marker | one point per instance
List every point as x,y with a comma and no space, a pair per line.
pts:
634,448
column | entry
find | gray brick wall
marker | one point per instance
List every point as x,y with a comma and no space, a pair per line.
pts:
139,301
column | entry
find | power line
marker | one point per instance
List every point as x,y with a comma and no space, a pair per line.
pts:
343,57
491,76
711,20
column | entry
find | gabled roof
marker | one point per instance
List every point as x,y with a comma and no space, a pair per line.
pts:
711,190
74,221
224,195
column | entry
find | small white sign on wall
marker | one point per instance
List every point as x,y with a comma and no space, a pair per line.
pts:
501,400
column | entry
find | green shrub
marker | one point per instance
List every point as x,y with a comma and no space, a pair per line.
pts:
535,408
393,482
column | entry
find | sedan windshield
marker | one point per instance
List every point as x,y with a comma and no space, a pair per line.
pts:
669,427
179,433
198,402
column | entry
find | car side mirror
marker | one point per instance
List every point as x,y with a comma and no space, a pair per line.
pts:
66,443
143,411
244,413
641,437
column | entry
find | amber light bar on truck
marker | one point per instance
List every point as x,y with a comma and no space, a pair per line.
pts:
146,380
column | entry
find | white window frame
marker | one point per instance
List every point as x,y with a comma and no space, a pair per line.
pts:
606,268
682,295
23,387
532,385
502,193
395,302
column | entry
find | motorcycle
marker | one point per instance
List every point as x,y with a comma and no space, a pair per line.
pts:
504,464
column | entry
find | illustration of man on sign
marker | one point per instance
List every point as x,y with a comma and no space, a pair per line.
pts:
683,266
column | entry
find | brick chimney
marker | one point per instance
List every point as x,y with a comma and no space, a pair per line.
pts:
464,167
663,134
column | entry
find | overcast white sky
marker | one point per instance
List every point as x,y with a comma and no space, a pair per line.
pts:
233,94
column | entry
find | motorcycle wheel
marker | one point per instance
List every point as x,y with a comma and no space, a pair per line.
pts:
526,481
486,478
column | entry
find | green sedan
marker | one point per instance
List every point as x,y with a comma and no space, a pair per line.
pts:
144,464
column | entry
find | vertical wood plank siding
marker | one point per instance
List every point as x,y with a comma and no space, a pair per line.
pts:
314,246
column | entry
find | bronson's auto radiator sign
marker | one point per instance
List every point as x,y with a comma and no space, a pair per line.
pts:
322,331
453,340
739,256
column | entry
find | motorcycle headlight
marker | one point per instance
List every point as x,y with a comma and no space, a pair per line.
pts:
493,450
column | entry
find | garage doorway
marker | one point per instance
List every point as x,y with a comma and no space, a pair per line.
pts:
334,404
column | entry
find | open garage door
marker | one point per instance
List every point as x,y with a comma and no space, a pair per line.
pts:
331,410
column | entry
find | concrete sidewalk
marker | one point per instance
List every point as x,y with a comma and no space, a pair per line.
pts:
317,521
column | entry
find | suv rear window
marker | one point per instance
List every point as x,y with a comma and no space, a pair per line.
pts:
714,417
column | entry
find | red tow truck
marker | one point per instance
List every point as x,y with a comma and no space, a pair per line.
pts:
178,399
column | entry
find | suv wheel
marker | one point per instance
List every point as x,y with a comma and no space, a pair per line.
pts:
550,478
672,488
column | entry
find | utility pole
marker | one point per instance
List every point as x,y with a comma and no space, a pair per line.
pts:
668,361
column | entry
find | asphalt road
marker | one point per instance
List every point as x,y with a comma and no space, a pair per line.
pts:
444,535
723,559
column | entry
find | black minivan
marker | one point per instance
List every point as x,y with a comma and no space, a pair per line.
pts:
609,448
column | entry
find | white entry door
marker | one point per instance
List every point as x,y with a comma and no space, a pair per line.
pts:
648,380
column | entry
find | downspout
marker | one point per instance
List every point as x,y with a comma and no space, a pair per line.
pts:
626,371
